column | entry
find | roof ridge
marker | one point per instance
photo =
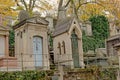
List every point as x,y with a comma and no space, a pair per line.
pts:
63,26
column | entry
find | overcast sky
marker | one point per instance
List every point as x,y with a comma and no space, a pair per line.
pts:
51,2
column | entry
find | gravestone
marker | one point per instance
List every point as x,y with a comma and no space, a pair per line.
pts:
55,77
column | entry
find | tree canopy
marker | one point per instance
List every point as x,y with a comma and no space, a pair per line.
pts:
6,8
31,5
83,9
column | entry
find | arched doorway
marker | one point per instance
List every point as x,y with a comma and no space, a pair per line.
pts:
75,51
37,51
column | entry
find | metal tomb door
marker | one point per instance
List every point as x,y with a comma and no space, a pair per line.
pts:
37,41
75,52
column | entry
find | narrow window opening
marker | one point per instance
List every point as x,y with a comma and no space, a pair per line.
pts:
21,34
74,22
17,34
63,45
59,47
118,30
24,30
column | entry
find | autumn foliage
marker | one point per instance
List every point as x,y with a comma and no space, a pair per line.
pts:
6,8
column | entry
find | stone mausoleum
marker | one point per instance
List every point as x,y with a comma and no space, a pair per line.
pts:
5,60
31,43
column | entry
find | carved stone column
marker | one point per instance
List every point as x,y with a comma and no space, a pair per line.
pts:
6,45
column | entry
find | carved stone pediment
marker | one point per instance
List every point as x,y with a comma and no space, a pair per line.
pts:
32,20
40,20
4,28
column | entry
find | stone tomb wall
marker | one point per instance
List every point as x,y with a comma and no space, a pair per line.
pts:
24,45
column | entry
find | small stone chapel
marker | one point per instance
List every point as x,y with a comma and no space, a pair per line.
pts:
67,42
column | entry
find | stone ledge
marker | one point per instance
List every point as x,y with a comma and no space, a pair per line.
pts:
8,62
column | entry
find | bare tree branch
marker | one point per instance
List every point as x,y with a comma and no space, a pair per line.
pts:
30,3
25,4
84,4
33,4
40,7
67,3
60,4
16,1
74,9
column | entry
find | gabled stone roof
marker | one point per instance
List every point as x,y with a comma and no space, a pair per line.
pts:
95,58
2,28
34,20
117,45
62,26
113,37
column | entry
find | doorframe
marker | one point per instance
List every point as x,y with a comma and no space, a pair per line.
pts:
79,35
42,49
77,46
4,45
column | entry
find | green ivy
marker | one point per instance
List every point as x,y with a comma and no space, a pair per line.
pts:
11,38
100,31
100,27
25,75
51,40
97,72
